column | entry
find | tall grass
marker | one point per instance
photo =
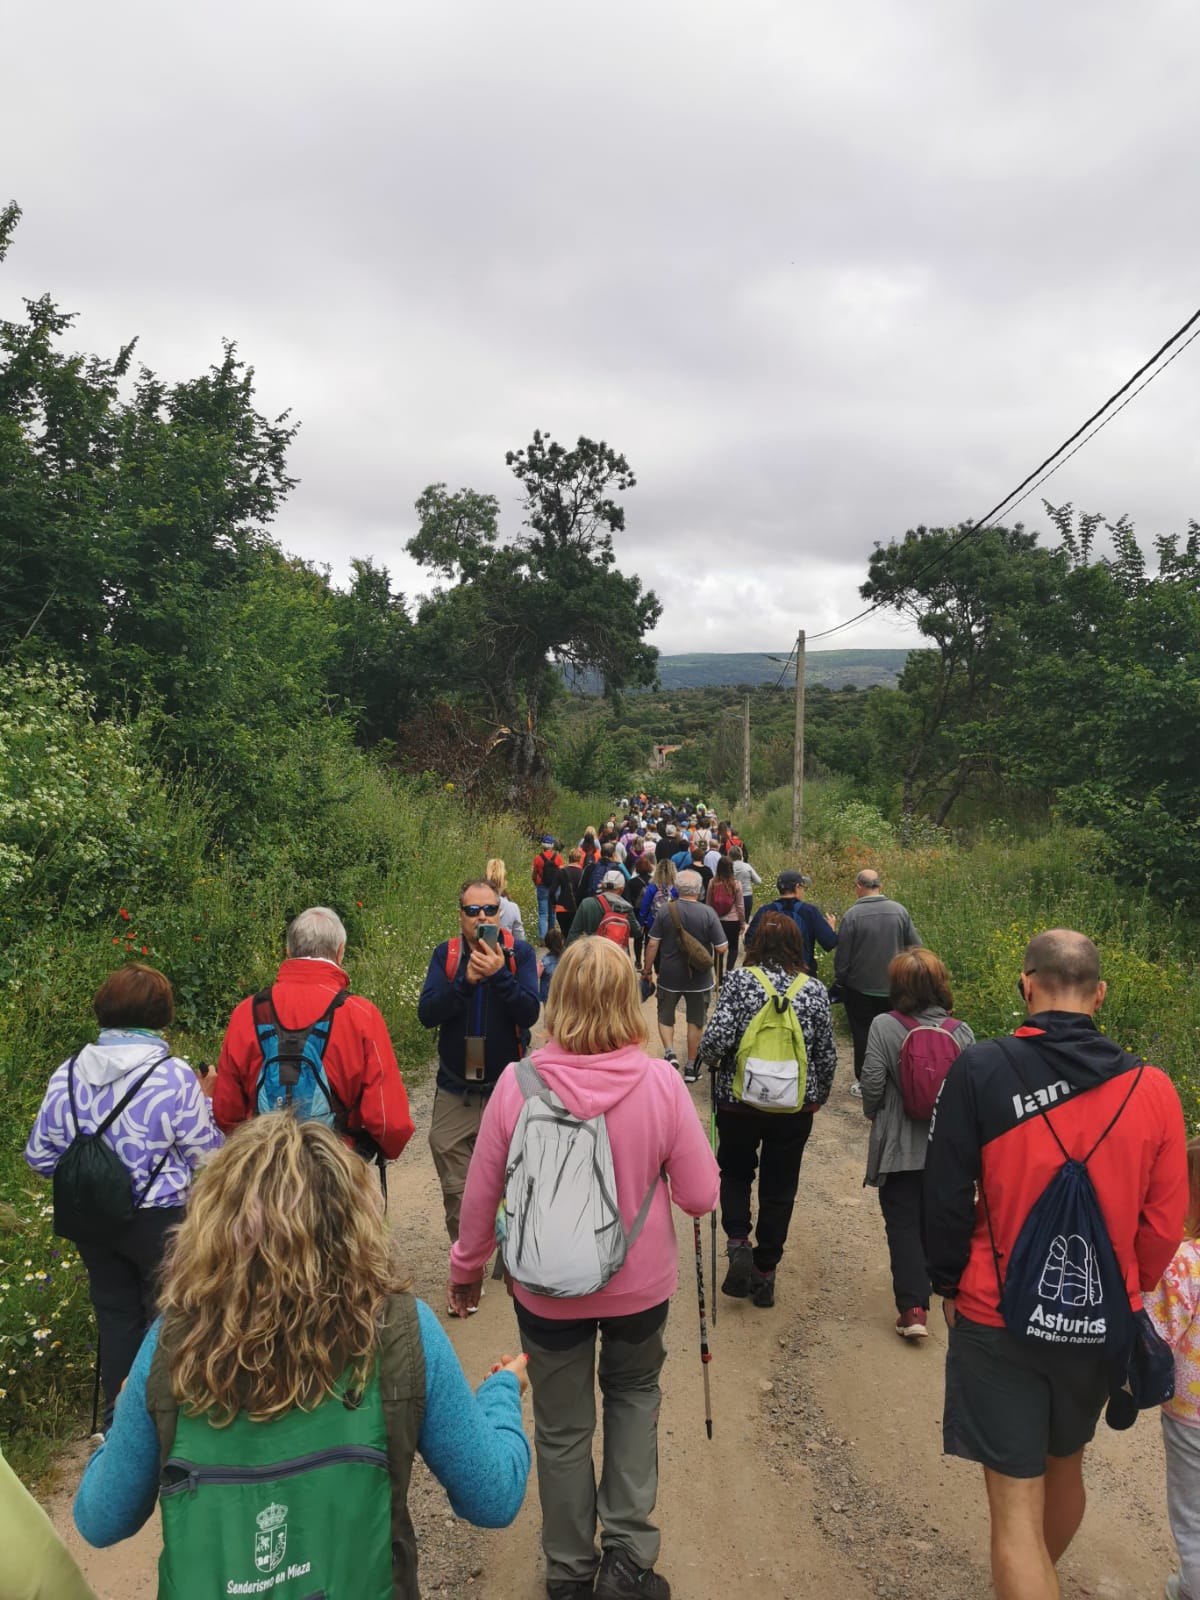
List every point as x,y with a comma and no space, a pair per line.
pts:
389,858
977,902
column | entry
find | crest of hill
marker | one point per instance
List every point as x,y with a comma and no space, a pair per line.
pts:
833,668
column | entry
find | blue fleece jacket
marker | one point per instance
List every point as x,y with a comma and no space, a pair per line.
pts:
501,1008
473,1444
808,918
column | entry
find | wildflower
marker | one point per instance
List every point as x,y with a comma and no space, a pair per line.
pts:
123,914
41,1333
145,949
116,940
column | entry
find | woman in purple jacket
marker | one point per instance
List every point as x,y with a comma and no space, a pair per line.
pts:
161,1136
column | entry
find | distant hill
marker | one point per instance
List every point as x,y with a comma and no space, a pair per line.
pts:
833,668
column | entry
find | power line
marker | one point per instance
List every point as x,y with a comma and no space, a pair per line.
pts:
1028,485
786,665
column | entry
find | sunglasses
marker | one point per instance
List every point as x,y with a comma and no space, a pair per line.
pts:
480,911
1021,981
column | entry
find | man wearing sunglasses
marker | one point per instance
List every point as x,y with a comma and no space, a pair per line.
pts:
481,994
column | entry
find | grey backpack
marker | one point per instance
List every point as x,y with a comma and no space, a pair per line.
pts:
563,1233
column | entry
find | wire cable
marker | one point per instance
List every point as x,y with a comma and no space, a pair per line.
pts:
786,665
1027,485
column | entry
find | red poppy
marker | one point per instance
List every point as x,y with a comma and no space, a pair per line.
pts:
123,913
145,949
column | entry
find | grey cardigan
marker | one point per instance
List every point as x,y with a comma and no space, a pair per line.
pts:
897,1143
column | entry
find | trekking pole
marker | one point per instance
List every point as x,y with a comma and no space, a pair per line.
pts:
712,1139
705,1353
96,1390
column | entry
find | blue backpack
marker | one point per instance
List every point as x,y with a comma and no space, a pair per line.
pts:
292,1076
1063,1287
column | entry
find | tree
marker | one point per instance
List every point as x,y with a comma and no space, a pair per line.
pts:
518,612
1108,698
372,673
966,591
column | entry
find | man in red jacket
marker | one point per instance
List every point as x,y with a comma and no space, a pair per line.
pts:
359,1060
1023,1411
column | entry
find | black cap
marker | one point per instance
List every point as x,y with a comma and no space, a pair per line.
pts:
791,880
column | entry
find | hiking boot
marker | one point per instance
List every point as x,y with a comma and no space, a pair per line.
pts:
691,1073
910,1324
570,1588
856,1090
619,1579
762,1288
741,1267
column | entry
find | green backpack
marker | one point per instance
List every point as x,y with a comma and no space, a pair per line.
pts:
304,1507
771,1073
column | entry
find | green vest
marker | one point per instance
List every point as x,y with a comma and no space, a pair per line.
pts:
313,1503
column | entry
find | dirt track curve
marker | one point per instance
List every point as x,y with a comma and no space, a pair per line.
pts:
824,1475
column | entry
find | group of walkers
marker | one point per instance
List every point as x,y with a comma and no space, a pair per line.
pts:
269,1377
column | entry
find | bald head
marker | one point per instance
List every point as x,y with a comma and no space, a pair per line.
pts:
1062,972
867,882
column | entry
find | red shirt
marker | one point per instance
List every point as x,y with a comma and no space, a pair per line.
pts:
359,1058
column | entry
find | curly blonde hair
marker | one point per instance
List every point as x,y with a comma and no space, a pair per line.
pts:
275,1283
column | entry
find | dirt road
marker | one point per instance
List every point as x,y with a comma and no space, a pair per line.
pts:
825,1473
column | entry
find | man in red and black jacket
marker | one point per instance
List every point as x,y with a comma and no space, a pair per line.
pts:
1024,1412
359,1060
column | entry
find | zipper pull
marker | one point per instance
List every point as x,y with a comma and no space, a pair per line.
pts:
193,1480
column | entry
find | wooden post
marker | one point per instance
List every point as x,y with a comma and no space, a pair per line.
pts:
746,755
798,753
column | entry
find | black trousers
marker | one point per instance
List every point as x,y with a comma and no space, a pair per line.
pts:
902,1200
123,1285
861,1011
771,1143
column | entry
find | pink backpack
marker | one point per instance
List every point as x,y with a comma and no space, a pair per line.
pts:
926,1056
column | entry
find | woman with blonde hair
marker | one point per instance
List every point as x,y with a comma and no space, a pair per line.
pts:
919,990
595,1063
510,911
277,1403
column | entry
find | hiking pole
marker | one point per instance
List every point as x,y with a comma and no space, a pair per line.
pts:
705,1353
712,1139
96,1389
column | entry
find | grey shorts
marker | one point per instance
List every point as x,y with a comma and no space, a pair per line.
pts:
1009,1405
696,1003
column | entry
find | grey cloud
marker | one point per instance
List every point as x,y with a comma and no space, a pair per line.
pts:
822,272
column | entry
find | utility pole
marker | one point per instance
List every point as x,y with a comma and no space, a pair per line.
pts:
746,755
798,751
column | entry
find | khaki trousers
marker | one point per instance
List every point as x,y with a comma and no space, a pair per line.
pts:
564,1420
452,1135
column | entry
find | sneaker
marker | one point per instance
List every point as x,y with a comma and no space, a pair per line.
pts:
1174,1588
619,1579
762,1288
691,1073
570,1588
910,1324
856,1090
669,1055
741,1266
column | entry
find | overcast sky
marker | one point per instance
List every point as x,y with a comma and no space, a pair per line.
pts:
822,272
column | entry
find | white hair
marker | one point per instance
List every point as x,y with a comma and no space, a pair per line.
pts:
689,885
317,932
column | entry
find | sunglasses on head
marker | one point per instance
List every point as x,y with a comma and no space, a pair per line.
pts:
480,911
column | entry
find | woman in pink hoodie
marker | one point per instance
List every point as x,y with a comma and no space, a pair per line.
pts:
596,1063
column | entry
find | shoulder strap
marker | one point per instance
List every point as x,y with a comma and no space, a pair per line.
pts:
768,986
639,1222
908,1023
797,983
453,957
121,1104
529,1080
1011,1057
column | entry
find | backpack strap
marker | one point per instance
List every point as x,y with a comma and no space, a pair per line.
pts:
907,1023
266,1016
454,954
639,1222
121,1104
1011,1057
530,1081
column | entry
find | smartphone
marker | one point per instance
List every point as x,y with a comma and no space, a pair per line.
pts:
488,933
474,1065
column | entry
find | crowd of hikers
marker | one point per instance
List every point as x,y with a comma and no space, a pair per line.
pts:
269,1377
